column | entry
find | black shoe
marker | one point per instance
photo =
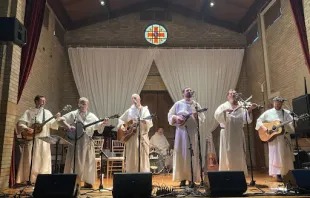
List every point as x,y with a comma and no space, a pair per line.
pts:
279,178
191,184
87,185
183,183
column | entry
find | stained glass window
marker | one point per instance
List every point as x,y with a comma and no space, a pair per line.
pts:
156,34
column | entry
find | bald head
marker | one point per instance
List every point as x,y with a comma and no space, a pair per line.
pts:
135,98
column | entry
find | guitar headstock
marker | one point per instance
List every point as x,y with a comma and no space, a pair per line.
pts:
67,108
202,110
114,116
304,116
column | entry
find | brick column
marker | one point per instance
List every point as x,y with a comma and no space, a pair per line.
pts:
9,74
307,18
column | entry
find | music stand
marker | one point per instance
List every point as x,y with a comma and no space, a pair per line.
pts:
55,139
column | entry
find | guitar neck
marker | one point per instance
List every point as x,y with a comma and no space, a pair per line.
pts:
46,121
93,123
199,111
284,123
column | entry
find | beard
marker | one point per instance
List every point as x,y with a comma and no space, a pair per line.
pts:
188,95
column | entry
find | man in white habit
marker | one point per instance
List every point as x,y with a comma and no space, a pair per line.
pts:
132,154
85,164
232,117
41,150
280,150
182,155
158,140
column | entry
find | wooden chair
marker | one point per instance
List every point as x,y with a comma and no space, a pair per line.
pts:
116,162
98,142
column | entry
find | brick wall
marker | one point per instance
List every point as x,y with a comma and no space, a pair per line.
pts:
9,67
46,78
285,58
154,82
129,31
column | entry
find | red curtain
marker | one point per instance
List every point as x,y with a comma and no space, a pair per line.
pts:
33,21
299,17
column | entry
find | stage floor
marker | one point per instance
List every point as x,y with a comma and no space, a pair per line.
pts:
267,183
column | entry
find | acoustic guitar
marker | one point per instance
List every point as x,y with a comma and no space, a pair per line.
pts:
185,117
38,127
130,129
275,128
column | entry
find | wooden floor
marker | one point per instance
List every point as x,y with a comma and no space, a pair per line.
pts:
267,184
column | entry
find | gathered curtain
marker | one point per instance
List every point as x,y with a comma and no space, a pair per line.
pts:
109,76
209,72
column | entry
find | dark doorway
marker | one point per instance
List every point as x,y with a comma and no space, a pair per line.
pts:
159,102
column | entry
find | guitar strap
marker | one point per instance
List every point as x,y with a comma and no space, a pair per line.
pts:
43,120
283,120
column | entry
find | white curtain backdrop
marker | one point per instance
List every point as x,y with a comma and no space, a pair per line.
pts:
109,76
209,72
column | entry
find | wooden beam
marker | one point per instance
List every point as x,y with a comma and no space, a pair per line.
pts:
60,12
143,5
252,14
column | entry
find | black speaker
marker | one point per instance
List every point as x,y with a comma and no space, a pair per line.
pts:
12,31
132,185
227,183
56,185
301,105
299,179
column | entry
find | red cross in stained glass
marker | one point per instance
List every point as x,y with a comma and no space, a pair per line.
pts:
156,34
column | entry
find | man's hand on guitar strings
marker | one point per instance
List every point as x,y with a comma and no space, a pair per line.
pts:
29,130
71,129
104,122
179,119
229,110
264,128
58,115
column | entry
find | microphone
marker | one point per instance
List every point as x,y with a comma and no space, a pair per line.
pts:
135,101
191,93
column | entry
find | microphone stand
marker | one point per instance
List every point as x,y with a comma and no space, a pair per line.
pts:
296,140
101,188
32,149
199,146
252,182
75,141
139,139
192,184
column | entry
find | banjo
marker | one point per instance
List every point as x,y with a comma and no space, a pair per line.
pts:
80,128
